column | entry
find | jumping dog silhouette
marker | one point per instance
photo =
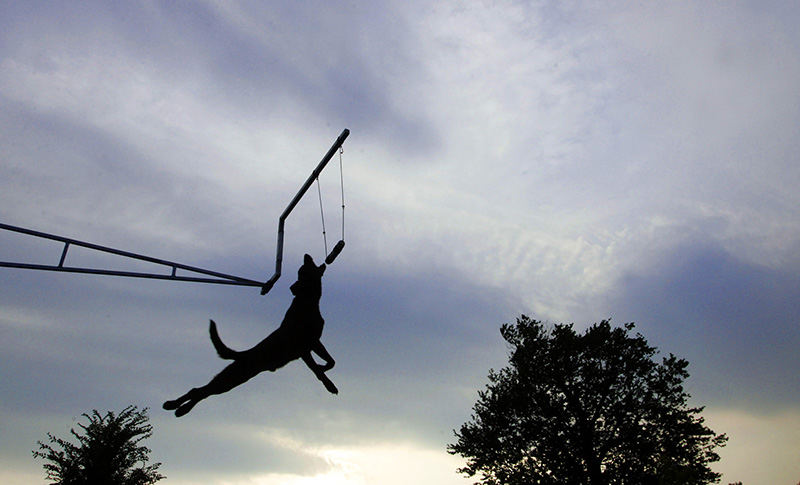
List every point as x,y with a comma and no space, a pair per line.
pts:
298,335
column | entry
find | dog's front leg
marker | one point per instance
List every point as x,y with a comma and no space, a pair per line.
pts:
319,371
320,350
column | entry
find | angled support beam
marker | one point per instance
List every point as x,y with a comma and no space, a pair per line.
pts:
279,258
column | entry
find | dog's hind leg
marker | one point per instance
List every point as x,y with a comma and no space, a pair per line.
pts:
231,376
319,371
188,405
191,396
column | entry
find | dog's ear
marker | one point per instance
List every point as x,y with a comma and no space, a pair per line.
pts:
308,259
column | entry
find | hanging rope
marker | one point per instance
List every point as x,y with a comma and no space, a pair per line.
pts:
322,216
337,248
341,184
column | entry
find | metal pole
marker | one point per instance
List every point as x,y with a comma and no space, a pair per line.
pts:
227,280
223,278
279,259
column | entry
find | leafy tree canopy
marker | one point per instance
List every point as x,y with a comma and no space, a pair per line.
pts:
592,408
108,451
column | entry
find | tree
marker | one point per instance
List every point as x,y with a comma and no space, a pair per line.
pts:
108,451
591,408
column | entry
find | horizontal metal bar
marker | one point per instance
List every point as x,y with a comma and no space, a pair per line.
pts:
131,274
221,278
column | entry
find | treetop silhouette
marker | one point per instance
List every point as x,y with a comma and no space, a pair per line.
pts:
108,451
586,408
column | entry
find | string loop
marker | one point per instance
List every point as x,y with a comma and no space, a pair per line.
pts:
340,244
322,216
341,184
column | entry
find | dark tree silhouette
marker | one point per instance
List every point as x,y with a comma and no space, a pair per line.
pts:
108,451
591,408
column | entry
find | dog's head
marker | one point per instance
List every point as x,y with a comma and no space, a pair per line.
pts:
309,279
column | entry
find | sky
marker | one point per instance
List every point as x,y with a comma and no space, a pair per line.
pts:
571,161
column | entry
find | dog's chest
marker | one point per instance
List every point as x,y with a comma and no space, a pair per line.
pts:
304,319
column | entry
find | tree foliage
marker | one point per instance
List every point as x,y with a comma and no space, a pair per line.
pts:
592,408
108,451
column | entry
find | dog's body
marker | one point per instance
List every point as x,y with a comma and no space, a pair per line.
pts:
298,335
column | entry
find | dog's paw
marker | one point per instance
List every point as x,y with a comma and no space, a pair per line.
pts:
184,409
331,387
170,405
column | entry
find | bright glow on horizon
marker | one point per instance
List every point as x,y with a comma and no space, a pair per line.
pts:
387,464
748,436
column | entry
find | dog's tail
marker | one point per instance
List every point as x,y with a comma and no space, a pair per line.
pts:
222,350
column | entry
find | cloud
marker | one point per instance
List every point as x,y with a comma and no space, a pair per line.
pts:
221,452
311,58
733,320
709,103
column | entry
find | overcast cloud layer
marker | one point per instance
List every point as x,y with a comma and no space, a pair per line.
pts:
573,163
